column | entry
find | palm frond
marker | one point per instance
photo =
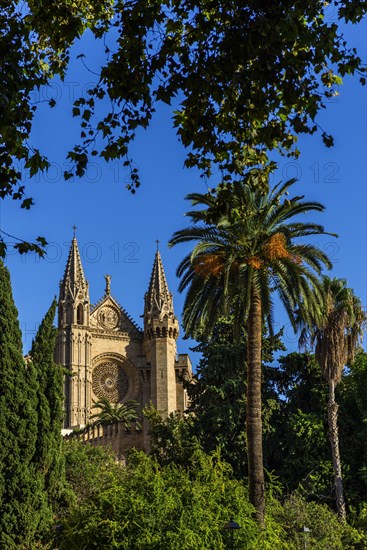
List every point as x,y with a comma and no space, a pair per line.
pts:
335,328
254,247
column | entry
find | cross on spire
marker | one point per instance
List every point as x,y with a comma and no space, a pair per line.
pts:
157,241
74,228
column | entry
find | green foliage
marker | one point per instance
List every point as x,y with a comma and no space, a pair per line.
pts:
147,505
335,328
49,459
22,501
298,379
298,447
238,261
308,463
115,412
88,469
152,505
241,78
357,382
59,25
173,439
21,72
326,531
218,394
23,246
35,40
252,244
358,520
353,429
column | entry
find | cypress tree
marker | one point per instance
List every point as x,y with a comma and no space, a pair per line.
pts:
21,496
49,459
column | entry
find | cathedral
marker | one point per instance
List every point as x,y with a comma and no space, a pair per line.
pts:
106,355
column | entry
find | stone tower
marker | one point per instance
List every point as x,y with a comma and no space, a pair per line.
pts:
73,349
160,335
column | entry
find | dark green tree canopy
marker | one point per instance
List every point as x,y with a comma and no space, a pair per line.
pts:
242,78
49,457
154,506
21,497
217,393
35,38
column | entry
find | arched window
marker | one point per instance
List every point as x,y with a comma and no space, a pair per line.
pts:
80,315
61,315
69,314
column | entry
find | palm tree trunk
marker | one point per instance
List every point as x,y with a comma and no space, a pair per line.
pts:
253,408
334,441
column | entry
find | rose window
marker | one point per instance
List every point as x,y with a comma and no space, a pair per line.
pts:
110,380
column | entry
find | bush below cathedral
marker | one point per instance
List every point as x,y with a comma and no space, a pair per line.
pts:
147,505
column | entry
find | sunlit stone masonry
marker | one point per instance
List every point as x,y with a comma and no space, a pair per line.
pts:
105,353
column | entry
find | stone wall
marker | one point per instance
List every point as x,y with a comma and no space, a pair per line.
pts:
114,436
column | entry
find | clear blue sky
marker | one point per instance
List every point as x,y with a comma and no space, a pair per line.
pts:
117,231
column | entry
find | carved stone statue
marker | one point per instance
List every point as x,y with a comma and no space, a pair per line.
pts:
108,284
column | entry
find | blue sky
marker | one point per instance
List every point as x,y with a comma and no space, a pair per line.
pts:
117,231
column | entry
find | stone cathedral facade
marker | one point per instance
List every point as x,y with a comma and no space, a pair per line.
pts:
107,355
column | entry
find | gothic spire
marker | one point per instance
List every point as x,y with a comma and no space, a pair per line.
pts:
74,279
158,299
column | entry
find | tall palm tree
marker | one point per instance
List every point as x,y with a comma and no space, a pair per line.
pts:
334,330
243,253
115,412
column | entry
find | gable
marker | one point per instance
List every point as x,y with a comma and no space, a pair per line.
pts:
109,316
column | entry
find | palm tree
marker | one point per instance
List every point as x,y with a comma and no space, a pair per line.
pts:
115,412
244,252
334,330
